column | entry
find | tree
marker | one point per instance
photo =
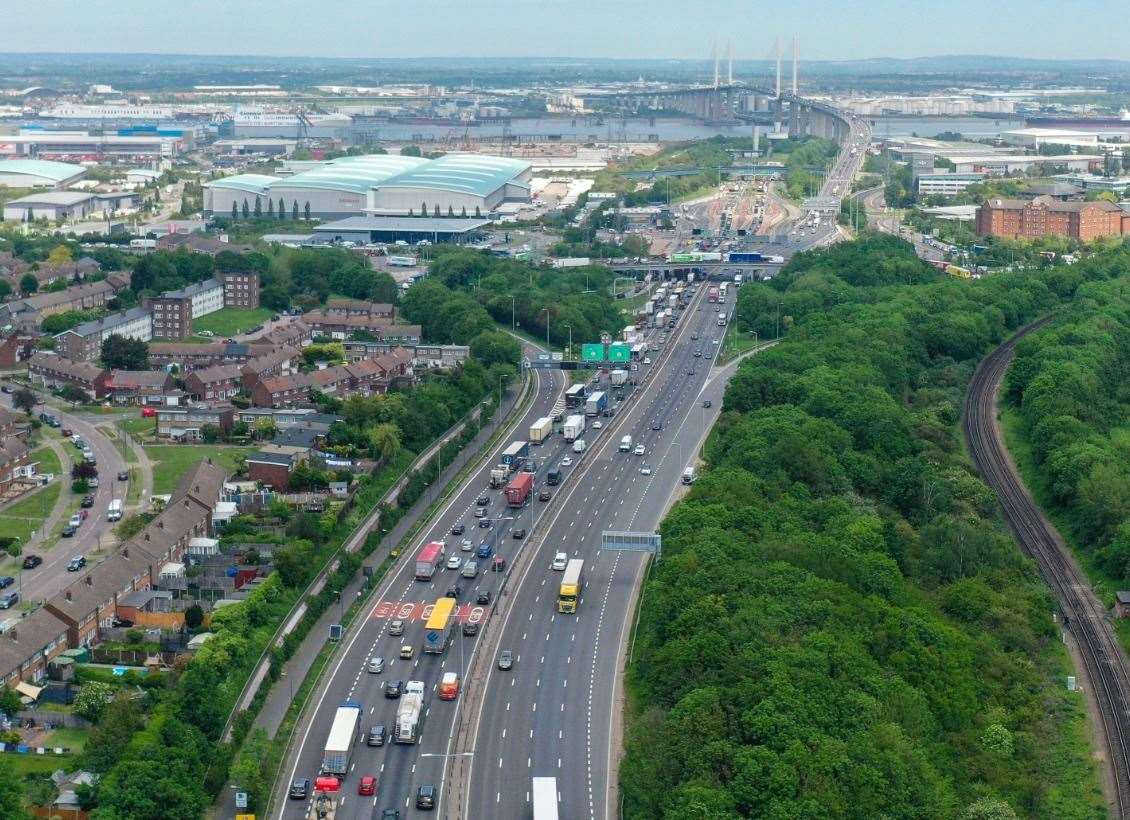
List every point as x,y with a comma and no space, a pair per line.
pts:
60,255
10,702
294,212
292,561
83,470
234,212
306,211
73,394
210,433
258,207
423,209
11,795
194,616
270,207
265,429
120,353
451,210
92,700
463,212
1126,160
282,209
5,290
410,151
28,284
384,441
478,214
24,399
246,209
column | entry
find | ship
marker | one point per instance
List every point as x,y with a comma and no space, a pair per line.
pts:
1061,120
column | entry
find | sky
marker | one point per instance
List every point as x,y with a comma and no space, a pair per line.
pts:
682,29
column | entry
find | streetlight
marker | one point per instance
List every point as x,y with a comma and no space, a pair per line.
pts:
778,320
513,324
546,312
569,347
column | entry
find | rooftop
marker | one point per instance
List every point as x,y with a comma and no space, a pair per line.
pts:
57,171
257,184
52,198
404,224
462,173
356,174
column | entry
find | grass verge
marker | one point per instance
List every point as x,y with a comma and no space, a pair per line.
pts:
170,462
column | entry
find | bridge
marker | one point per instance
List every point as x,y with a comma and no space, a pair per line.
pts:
711,270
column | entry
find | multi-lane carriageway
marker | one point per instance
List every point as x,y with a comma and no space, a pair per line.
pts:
554,713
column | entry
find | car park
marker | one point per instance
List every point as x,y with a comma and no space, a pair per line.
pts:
454,562
559,561
396,628
506,660
393,689
375,665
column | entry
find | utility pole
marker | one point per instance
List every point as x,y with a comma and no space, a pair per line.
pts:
796,58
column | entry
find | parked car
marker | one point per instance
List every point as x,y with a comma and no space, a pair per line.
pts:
87,501
69,532
706,403
6,581
32,561
123,475
10,600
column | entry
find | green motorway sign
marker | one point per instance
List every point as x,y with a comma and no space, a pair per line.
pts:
619,352
592,352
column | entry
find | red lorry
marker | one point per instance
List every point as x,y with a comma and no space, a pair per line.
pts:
518,491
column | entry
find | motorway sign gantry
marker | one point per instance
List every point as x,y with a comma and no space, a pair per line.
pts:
629,541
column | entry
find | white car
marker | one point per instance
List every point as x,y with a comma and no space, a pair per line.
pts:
565,462
645,469
454,562
596,425
376,666
559,561
647,360
465,545
714,342
639,451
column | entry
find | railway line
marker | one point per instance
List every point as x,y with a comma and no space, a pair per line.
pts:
1084,615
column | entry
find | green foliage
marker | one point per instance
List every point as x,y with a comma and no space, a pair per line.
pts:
11,793
120,353
839,626
28,284
58,322
92,699
24,399
108,739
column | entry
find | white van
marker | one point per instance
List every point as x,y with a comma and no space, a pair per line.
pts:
689,475
625,444
114,511
579,445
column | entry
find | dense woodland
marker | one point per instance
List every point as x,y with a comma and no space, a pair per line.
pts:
840,626
1070,383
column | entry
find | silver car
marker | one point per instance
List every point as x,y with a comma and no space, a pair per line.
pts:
470,569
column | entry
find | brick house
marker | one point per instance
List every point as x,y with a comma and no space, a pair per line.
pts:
1046,216
54,371
271,469
358,307
89,605
275,362
15,462
29,645
186,422
278,391
15,350
138,386
189,357
241,288
215,383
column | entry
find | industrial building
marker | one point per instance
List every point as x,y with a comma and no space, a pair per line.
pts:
946,184
53,205
456,185
411,229
997,164
38,173
84,145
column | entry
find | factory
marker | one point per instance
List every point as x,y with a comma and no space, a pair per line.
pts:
135,143
380,185
38,173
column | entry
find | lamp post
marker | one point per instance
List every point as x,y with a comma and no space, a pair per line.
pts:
778,336
546,312
569,347
513,323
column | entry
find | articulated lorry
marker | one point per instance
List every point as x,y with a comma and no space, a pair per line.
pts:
541,429
518,490
409,713
596,404
574,427
342,736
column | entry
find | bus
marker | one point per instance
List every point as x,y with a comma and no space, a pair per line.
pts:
545,798
569,596
440,626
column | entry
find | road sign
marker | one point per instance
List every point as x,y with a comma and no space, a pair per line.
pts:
592,352
335,632
619,352
632,541
245,817
543,357
558,356
241,800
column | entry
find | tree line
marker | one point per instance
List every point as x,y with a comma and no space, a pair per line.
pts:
840,627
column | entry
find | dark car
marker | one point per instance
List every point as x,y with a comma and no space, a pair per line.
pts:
484,523
32,561
77,563
10,600
458,529
518,534
545,495
470,628
123,475
377,735
390,814
426,797
483,599
87,501
393,689
67,432
657,426
454,591
6,581
6,388
69,532
690,372
706,403
482,500
497,564
506,660
300,788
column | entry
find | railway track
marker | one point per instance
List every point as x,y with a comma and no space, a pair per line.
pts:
1084,615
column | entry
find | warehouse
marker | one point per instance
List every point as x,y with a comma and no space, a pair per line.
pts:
454,185
52,205
221,194
38,173
411,229
340,188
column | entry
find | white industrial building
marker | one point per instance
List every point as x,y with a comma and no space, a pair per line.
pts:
946,184
1036,137
381,185
1007,164
52,205
38,173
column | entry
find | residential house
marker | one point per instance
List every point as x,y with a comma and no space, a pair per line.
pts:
279,391
15,350
32,310
272,469
139,386
358,307
215,383
84,342
27,646
293,334
89,604
275,362
186,422
241,289
53,371
15,463
189,357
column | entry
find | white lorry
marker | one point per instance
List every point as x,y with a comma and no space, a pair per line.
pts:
342,736
573,428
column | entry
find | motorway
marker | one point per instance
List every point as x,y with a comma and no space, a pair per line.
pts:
669,393
556,714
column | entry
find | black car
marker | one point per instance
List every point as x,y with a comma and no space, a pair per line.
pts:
458,529
390,814
470,628
393,689
482,500
377,735
657,426
6,388
454,591
6,581
32,561
506,660
518,534
69,532
426,797
706,403
690,372
123,475
483,599
484,523
300,788
87,501
544,495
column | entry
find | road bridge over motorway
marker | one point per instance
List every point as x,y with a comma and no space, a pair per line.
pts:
708,269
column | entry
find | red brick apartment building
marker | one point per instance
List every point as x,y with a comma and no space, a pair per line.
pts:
1045,216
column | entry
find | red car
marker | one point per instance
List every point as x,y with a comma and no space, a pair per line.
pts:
148,412
368,786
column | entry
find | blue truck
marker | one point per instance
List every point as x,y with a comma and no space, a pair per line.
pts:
737,256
